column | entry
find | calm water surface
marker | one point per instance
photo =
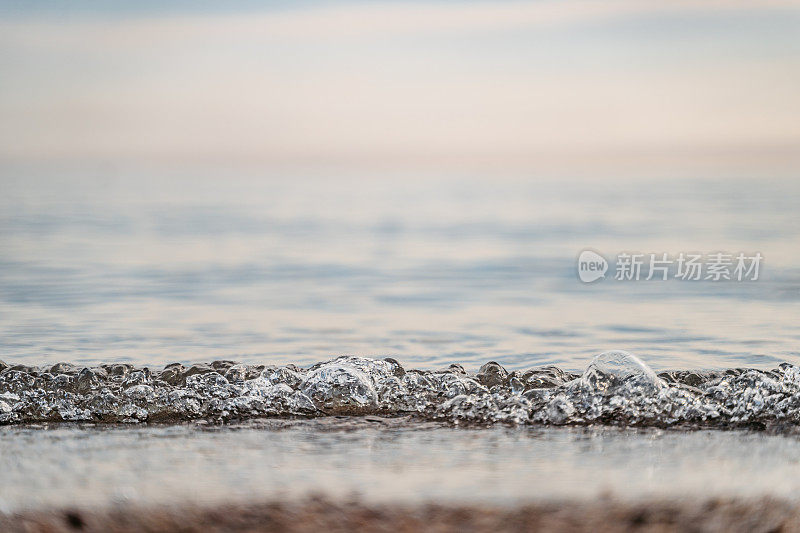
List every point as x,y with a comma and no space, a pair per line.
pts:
153,266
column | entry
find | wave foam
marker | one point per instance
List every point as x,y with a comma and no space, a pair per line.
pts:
616,388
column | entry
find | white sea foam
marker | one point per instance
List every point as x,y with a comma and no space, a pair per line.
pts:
617,388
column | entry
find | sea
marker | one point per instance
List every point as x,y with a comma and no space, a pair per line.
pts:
174,334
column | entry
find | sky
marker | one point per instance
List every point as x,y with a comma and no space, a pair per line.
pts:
455,82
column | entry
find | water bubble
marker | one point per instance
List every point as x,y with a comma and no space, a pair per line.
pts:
236,373
88,379
611,370
560,410
616,388
142,393
138,377
492,374
172,373
340,387
284,374
63,368
516,385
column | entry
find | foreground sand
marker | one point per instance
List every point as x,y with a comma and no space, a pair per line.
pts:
315,515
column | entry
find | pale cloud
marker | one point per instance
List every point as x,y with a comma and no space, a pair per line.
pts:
376,80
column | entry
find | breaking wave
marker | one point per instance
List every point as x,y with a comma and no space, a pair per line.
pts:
616,388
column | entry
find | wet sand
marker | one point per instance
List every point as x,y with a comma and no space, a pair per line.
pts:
319,514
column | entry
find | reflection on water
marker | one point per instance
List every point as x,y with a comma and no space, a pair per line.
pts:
385,461
158,266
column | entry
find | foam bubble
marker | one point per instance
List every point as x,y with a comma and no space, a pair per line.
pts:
616,388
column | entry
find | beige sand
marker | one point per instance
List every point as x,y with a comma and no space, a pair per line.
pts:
321,515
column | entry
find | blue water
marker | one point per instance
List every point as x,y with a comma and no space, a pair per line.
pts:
159,264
